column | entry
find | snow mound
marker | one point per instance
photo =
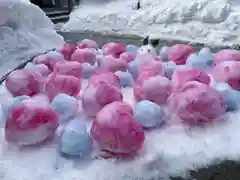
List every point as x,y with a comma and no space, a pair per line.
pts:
215,22
25,31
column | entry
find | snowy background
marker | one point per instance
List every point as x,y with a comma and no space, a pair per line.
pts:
25,31
215,21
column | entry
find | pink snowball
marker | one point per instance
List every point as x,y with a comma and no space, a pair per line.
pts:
127,57
156,89
139,83
116,131
67,50
84,56
72,68
60,83
182,76
179,53
226,55
104,76
228,71
113,64
87,43
197,103
23,82
30,125
114,49
47,60
153,66
94,98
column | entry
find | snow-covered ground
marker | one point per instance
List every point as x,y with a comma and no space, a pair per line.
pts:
214,22
25,31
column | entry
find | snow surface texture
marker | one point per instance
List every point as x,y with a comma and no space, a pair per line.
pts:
216,22
25,31
168,151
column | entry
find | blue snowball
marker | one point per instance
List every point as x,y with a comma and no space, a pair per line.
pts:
126,79
88,69
132,48
197,61
169,67
66,106
133,68
163,53
206,54
231,97
74,140
56,55
149,114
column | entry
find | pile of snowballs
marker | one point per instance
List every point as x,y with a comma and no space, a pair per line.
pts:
197,87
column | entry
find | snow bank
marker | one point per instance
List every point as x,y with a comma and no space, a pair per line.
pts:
215,21
25,31
168,151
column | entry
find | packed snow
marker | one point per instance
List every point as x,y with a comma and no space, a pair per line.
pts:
214,22
25,31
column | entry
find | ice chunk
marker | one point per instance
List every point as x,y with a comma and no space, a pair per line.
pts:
149,114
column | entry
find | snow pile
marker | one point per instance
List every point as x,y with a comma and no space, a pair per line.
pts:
25,31
215,21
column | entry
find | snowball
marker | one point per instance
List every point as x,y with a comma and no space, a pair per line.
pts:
66,106
116,131
149,114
